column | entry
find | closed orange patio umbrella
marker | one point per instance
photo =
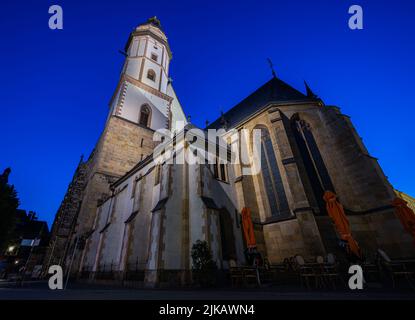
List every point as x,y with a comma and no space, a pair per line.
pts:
406,215
339,218
248,228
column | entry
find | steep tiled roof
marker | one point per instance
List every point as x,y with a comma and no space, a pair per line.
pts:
274,90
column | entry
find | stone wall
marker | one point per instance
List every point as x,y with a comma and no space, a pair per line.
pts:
65,218
357,178
283,240
121,146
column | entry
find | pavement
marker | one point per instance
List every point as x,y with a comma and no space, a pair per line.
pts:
39,290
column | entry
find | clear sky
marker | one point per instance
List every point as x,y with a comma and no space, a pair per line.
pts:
55,85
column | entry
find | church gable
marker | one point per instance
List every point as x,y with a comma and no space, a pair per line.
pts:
274,90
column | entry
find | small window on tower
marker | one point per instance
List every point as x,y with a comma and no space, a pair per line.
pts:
215,171
144,116
220,171
157,177
154,57
223,172
151,75
134,187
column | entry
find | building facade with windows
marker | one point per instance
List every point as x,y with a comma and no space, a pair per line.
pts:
139,217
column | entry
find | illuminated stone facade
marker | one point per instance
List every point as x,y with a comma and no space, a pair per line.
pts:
410,200
137,219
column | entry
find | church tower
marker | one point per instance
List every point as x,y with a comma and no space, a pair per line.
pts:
144,101
144,94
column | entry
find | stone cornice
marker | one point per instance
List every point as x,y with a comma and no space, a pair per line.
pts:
132,122
127,78
145,87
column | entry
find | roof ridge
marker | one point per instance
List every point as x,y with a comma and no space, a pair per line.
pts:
274,89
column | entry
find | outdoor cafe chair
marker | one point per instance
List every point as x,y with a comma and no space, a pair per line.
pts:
237,276
330,270
397,268
250,276
307,272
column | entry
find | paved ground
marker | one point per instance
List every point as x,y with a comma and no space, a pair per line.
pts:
37,291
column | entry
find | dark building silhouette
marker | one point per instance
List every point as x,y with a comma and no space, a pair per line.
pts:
26,250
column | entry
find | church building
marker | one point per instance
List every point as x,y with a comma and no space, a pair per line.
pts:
126,212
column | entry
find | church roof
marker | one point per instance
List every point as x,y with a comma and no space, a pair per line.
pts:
275,90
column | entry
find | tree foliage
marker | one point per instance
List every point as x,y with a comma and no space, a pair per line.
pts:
8,208
202,257
203,265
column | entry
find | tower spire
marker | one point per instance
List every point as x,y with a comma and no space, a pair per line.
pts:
310,93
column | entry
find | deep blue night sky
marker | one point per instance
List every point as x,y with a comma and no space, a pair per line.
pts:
55,85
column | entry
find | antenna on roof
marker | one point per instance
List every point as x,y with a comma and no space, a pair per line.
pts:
271,65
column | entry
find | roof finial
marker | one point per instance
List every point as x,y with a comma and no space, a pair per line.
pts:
272,67
154,21
310,93
223,120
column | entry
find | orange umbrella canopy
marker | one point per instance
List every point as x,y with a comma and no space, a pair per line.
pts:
248,228
339,218
406,215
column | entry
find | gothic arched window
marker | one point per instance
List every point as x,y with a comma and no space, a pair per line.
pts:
271,176
315,168
151,74
144,116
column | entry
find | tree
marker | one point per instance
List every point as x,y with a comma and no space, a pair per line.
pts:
203,265
8,209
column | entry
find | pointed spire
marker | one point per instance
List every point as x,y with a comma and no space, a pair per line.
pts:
223,120
310,93
272,67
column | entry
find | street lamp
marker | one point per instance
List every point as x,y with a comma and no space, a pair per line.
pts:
10,249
